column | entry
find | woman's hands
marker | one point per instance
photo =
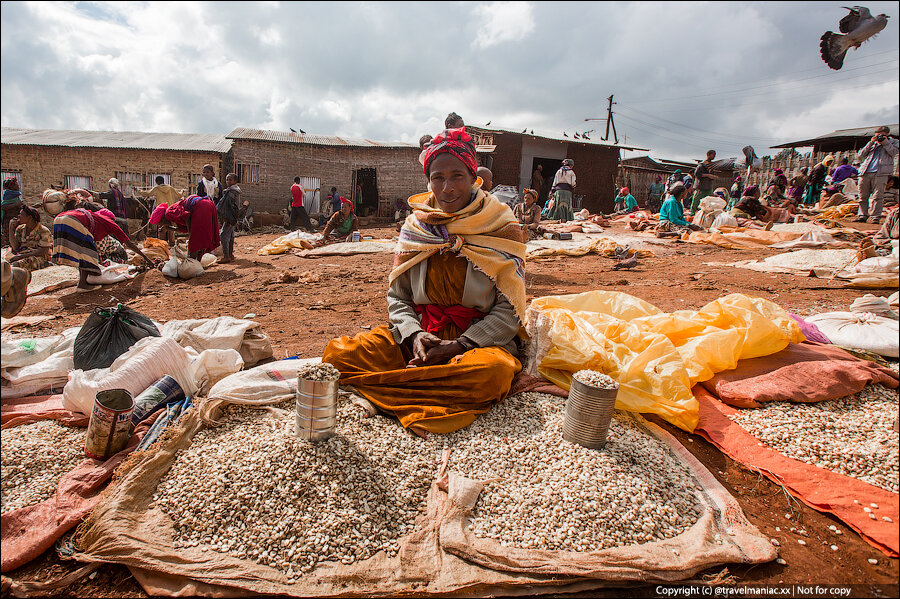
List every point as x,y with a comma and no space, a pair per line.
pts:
430,350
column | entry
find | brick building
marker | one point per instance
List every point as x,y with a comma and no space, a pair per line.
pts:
375,175
42,158
513,157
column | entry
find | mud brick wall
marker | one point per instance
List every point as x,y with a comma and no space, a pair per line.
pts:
46,166
595,169
398,172
507,158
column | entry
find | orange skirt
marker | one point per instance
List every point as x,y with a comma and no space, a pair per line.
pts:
439,399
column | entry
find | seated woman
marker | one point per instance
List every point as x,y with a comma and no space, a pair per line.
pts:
625,202
456,303
528,213
76,234
750,209
198,217
343,222
671,215
831,196
31,243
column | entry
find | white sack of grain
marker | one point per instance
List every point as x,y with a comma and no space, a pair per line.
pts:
142,365
860,330
267,384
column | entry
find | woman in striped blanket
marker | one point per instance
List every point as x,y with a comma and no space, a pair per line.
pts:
76,234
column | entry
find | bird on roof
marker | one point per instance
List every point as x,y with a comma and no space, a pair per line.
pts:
857,27
524,130
302,132
292,129
532,131
487,123
564,134
577,136
584,135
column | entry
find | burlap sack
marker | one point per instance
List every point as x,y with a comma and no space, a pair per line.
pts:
440,556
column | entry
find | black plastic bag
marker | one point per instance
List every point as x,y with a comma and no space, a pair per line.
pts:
107,334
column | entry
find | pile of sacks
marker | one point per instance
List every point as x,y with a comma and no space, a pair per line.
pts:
196,353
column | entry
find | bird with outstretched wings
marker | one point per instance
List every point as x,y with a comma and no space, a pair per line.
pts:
856,27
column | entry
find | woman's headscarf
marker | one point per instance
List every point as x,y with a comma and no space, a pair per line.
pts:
347,202
114,183
624,191
722,193
531,192
751,206
751,191
456,142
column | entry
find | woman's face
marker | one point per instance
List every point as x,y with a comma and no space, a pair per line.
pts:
451,182
26,219
207,174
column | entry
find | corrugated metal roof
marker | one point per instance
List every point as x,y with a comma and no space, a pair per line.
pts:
861,132
551,136
290,137
197,142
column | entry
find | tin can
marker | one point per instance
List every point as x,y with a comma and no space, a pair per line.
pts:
355,236
316,409
110,426
589,411
155,397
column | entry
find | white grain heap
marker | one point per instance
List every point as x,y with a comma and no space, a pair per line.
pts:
558,495
595,379
320,371
34,458
853,435
250,489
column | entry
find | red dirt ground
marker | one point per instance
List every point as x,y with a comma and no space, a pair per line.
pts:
348,293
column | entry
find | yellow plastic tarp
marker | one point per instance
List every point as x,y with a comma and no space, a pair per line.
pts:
284,244
656,357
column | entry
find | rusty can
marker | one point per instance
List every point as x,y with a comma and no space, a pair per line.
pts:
110,426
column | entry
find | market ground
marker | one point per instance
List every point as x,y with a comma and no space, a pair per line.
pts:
341,295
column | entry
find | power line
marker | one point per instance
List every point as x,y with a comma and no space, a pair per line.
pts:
766,139
786,84
769,102
777,81
684,142
688,135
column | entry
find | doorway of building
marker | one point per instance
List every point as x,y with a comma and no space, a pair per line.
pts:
365,191
549,166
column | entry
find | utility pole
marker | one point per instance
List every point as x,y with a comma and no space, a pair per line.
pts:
609,121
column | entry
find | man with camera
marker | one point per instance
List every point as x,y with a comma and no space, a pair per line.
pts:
877,165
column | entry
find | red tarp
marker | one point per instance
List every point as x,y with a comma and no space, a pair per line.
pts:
818,488
805,372
27,532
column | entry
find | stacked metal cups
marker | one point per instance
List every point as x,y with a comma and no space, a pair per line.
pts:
589,410
316,408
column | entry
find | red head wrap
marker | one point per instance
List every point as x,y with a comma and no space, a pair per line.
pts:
456,142
625,190
347,202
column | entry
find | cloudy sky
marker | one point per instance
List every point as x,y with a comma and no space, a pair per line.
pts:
686,76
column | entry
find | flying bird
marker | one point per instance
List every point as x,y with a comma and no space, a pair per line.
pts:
856,27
